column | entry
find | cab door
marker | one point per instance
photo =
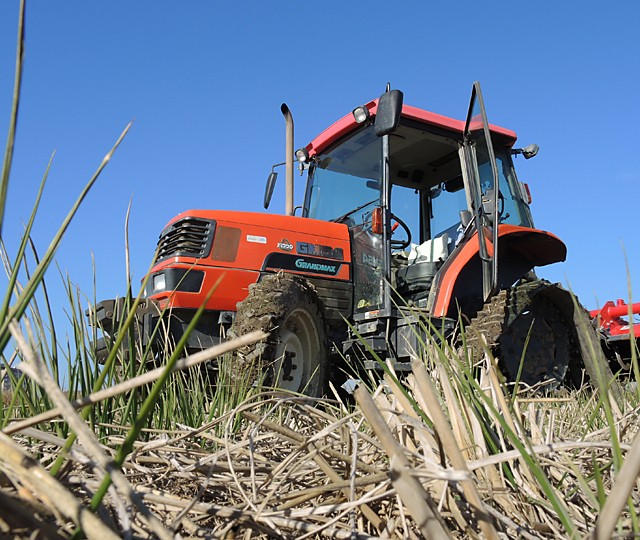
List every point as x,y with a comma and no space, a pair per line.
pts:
480,174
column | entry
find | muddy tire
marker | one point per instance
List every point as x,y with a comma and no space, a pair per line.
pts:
295,355
543,321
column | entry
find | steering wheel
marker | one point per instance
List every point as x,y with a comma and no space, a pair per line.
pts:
400,244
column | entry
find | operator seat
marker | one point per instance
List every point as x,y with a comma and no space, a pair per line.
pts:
413,280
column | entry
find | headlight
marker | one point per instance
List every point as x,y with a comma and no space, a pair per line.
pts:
159,283
175,279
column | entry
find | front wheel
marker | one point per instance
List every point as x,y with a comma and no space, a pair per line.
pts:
294,356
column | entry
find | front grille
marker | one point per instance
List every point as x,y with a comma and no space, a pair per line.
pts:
188,237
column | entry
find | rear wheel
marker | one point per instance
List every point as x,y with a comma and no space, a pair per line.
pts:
533,329
295,355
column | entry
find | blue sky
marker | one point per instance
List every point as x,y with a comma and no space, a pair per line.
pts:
203,81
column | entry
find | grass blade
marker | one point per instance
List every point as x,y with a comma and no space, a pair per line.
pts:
8,153
23,300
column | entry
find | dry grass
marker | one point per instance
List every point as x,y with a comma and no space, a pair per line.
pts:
432,461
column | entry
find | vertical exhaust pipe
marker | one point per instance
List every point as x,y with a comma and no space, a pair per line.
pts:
288,118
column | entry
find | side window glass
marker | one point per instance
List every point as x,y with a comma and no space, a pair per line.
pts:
405,203
447,201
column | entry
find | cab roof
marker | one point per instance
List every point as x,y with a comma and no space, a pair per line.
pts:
347,124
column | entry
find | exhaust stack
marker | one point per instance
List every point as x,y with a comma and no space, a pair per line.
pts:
288,118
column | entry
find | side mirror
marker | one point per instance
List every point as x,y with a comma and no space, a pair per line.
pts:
268,192
528,151
388,114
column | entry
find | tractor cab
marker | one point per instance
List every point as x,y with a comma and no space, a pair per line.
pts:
412,198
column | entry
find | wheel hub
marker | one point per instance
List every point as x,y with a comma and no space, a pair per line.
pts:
287,372
288,366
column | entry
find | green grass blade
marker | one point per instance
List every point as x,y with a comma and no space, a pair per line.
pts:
14,269
30,288
8,153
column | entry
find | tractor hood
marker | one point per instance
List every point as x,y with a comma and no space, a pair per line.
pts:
245,239
202,247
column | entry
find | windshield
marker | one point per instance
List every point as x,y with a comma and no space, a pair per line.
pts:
345,185
346,179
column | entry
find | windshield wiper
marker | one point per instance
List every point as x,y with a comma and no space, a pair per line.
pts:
344,216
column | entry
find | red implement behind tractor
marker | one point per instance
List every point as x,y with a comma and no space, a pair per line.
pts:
411,223
619,335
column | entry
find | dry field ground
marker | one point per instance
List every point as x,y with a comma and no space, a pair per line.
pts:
440,455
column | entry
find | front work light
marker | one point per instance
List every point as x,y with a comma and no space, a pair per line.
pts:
361,114
302,155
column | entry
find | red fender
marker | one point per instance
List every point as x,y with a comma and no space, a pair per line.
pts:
521,249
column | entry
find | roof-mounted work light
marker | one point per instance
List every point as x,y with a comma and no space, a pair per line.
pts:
361,114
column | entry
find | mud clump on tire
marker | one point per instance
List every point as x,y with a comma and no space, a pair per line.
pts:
295,355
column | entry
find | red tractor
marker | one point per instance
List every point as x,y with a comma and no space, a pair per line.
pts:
411,223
